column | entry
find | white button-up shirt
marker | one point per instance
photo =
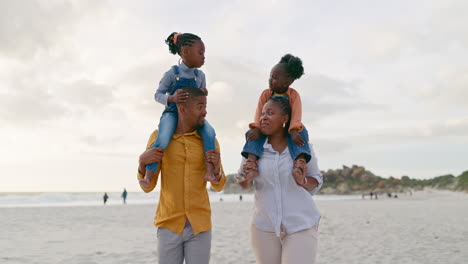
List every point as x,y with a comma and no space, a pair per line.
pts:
279,201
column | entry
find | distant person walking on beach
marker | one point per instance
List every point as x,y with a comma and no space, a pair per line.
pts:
183,216
105,197
124,196
284,226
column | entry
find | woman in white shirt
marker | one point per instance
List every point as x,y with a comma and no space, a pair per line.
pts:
285,221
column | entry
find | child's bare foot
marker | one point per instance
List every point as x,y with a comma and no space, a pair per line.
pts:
145,182
299,171
209,175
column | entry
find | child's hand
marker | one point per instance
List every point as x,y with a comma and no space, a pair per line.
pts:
205,90
254,134
296,138
178,97
144,183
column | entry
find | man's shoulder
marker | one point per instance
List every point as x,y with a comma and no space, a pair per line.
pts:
152,138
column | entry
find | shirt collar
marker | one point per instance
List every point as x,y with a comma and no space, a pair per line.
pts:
267,146
193,133
183,66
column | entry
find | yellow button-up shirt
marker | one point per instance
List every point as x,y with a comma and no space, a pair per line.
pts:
183,190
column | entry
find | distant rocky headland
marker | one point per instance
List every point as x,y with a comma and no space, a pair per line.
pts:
358,180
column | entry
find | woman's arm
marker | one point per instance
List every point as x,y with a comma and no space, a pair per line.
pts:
314,178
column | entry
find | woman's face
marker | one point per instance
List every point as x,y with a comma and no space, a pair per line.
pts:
272,119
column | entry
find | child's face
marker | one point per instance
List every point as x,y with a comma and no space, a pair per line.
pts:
194,56
279,80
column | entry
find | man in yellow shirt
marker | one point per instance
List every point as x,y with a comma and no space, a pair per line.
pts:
183,216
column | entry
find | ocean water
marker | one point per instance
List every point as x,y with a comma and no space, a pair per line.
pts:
48,199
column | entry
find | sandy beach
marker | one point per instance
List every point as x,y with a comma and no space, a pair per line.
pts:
427,227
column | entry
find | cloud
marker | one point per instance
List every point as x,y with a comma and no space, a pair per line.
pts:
29,27
29,108
85,93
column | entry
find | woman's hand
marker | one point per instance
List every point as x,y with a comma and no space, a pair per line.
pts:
296,138
249,172
254,134
178,97
299,171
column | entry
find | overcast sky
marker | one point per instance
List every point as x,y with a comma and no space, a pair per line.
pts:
386,83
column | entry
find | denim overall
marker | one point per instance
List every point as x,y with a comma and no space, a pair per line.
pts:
256,146
168,121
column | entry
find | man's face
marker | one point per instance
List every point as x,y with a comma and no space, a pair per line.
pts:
195,111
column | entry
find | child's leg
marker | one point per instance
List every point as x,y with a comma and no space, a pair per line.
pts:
167,126
296,150
254,147
300,155
253,150
208,135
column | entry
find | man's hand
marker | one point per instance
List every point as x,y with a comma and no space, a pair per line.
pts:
213,157
205,90
254,134
150,155
178,97
296,138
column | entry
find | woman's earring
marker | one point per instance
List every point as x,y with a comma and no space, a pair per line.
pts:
284,125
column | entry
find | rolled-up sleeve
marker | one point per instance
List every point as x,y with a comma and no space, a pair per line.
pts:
313,171
140,176
162,93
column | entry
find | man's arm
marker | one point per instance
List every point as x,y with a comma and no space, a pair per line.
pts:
150,155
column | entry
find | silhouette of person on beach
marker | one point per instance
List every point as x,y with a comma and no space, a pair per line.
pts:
105,197
124,196
240,197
